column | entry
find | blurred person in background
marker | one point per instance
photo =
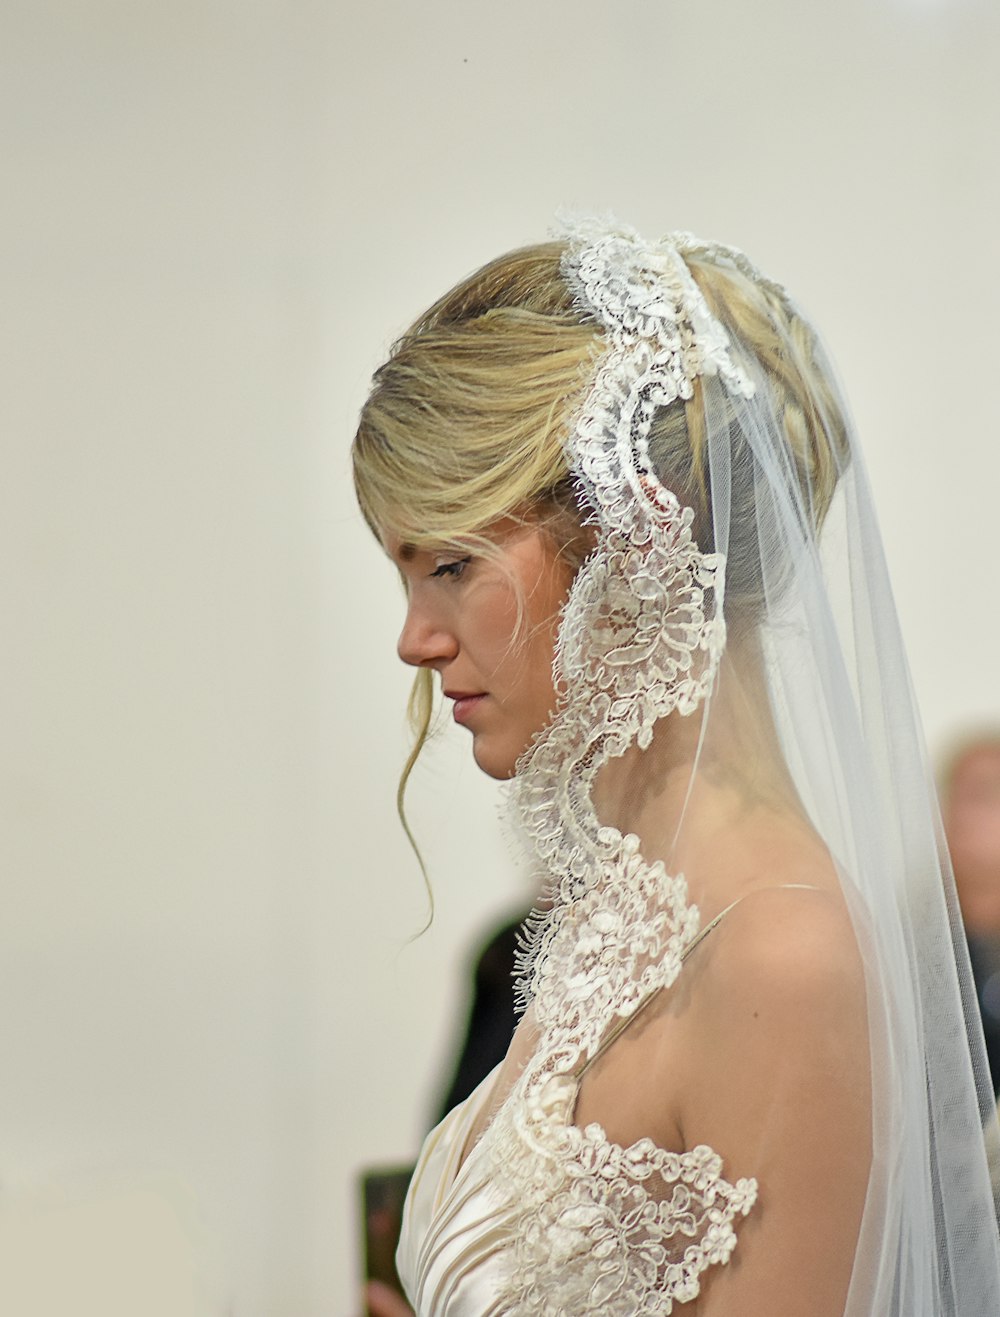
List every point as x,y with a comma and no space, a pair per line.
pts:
492,1015
970,802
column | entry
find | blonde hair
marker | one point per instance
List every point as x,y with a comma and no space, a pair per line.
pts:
466,421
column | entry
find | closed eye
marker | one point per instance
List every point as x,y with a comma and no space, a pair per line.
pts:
454,568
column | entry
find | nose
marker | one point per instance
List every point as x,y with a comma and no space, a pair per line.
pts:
425,642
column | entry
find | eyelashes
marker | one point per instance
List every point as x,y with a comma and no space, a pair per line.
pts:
453,569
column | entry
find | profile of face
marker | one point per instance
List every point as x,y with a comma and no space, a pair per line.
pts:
487,626
972,822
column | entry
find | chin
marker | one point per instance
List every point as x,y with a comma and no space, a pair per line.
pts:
494,762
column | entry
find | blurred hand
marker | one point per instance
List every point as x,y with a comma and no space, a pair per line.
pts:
384,1302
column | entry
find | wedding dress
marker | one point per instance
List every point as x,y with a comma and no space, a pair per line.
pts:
769,629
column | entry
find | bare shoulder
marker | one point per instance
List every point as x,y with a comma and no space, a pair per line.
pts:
782,986
780,1085
780,1002
777,940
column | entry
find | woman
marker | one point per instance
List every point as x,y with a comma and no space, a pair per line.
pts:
639,554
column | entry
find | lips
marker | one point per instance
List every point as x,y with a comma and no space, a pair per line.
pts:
466,703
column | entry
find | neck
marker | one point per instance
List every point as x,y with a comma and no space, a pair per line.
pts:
737,766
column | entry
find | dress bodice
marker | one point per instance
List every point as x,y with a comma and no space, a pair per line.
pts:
547,1218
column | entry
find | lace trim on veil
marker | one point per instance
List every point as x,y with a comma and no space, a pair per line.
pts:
600,1227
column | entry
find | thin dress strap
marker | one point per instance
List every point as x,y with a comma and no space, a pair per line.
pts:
695,942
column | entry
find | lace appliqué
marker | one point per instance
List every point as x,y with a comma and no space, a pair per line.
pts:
602,1228
607,1229
598,1227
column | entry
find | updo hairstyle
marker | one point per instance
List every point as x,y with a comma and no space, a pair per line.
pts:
466,421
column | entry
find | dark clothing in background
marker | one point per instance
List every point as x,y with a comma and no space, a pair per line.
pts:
491,1018
984,953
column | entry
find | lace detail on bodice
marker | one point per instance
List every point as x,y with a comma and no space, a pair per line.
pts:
599,1227
602,1228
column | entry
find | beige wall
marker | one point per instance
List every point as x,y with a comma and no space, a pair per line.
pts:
216,217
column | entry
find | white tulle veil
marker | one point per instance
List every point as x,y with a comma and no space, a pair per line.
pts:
776,598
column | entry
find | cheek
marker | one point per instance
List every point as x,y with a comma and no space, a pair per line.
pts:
493,623
514,623
550,604
544,633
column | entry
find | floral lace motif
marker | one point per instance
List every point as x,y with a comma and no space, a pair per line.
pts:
609,1229
599,1227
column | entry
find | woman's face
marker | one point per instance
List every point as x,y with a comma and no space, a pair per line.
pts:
487,626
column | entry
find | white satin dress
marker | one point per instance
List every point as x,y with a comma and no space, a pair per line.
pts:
455,1223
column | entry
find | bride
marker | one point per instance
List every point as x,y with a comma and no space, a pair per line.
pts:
640,555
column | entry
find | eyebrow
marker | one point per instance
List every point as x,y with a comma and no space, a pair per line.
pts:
406,552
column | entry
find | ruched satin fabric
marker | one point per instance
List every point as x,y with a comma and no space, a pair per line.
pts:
453,1236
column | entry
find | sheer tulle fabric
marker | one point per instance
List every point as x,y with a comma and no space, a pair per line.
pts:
762,637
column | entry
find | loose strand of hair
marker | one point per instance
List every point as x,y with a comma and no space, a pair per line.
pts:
419,710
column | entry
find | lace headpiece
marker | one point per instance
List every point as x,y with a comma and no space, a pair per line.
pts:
649,574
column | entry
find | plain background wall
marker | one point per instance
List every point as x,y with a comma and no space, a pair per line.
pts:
216,216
